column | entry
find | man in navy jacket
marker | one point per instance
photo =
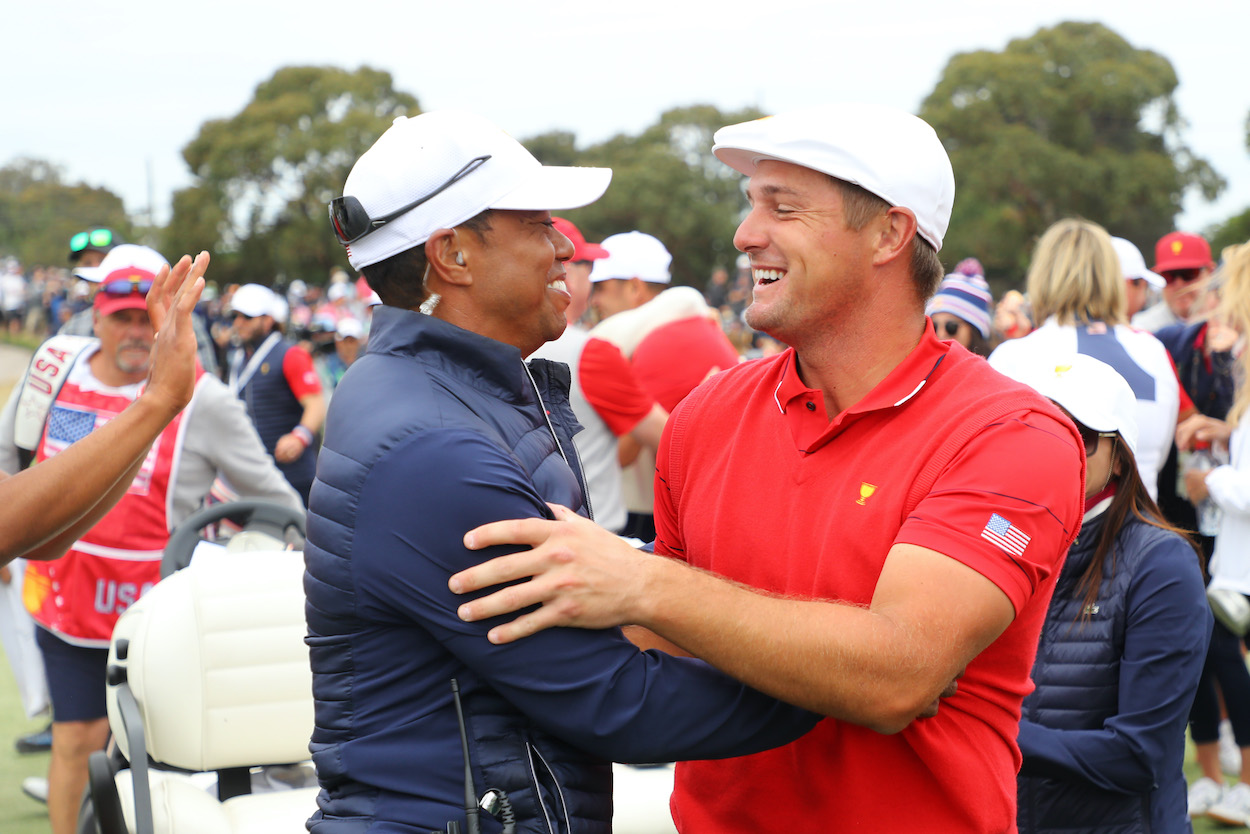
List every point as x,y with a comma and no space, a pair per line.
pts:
440,427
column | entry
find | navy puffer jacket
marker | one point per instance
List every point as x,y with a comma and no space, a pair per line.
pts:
434,431
1103,734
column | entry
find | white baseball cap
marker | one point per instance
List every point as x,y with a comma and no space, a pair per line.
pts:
888,152
1091,391
125,257
349,328
463,165
1133,265
254,300
633,255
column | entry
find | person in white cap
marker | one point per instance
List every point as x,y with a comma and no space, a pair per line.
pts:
1076,286
440,426
670,335
278,384
607,398
1139,282
866,516
1102,735
74,387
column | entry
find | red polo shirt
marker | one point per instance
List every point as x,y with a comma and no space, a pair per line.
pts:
755,482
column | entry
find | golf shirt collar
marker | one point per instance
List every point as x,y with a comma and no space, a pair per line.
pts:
803,408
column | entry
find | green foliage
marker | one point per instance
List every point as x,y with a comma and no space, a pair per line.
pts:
40,211
264,176
665,182
1072,121
1233,230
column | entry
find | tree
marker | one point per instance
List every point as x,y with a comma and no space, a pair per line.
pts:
40,211
1235,229
665,182
1072,121
263,177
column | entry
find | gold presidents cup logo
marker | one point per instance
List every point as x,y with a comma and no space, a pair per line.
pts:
865,492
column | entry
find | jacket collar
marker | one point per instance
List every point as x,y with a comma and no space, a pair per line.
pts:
476,359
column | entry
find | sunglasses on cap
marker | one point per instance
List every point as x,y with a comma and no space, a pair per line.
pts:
1184,275
351,222
126,286
1090,437
96,238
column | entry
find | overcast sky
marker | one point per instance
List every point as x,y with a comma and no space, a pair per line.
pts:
113,92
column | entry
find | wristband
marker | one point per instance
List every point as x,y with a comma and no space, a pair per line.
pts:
302,432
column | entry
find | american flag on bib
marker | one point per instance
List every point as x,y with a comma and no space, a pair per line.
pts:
67,425
1003,533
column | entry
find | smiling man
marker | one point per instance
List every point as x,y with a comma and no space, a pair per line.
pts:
890,514
439,427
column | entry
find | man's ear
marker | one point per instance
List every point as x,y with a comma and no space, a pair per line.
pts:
895,231
448,259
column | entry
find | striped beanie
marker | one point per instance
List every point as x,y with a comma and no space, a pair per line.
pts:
965,296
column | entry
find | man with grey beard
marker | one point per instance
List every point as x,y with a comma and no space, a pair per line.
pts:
73,386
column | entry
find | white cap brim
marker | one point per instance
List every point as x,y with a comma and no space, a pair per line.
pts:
555,188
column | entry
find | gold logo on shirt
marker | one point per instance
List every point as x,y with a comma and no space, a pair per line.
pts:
865,492
264,368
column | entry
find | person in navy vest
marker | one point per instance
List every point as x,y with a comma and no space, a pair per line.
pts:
439,427
1103,733
279,385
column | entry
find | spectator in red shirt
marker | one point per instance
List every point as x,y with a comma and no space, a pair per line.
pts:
605,394
669,334
886,513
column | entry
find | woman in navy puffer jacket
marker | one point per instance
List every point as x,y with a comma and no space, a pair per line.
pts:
1103,734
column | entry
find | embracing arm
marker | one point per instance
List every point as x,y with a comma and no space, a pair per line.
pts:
46,508
880,666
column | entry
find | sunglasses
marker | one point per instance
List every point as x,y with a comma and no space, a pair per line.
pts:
1090,438
96,238
351,222
951,328
126,286
1184,275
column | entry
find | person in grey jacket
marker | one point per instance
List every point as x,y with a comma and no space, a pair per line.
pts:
1103,734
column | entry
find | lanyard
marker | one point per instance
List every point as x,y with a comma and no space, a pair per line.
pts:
239,380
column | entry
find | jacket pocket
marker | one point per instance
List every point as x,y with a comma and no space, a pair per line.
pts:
547,792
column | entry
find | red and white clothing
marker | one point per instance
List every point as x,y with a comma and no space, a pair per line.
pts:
1138,356
756,483
609,402
80,596
674,343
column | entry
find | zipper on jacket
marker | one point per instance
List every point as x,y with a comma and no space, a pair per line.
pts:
563,810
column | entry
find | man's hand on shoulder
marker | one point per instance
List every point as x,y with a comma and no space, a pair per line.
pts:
583,576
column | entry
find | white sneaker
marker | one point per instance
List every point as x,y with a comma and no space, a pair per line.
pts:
1234,807
1230,753
36,787
1203,795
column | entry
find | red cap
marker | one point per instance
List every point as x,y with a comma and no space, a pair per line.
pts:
1182,250
582,251
108,303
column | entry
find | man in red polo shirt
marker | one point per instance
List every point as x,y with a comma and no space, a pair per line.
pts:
902,509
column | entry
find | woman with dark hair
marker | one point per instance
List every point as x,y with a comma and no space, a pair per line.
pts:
1103,734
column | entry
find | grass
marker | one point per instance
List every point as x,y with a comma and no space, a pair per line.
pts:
19,814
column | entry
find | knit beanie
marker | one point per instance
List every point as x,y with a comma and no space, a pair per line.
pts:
964,296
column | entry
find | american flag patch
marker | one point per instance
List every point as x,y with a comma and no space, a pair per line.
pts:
67,425
1001,532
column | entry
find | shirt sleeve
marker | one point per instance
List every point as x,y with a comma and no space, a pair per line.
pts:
221,438
611,387
1165,640
594,689
301,376
1008,505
